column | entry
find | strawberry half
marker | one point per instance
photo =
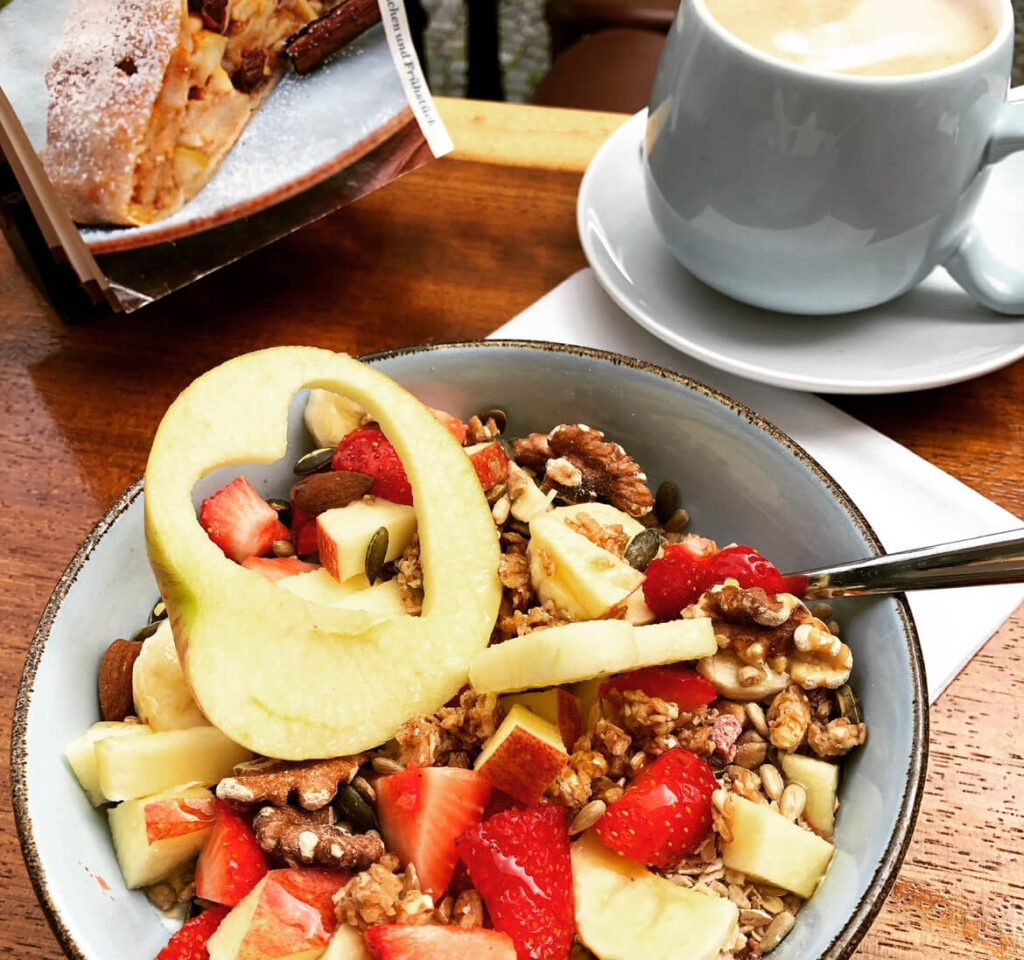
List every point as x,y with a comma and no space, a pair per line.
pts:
676,684
367,450
665,812
231,862
422,811
673,581
402,942
745,565
519,863
241,522
189,942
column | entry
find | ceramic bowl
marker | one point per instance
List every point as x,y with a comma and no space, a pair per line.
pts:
741,480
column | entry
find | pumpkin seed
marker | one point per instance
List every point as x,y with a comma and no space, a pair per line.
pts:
666,500
350,805
677,521
499,417
145,632
643,548
849,705
376,552
159,611
313,461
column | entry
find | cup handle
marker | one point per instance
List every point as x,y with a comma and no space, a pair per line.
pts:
984,276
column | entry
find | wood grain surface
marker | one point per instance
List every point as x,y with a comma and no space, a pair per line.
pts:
450,252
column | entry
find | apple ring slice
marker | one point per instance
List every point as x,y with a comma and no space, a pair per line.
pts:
282,676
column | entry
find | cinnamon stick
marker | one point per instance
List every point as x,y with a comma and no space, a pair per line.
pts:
340,26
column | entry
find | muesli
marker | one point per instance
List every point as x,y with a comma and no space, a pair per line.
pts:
645,753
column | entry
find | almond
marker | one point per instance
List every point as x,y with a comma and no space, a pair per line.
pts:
115,679
324,491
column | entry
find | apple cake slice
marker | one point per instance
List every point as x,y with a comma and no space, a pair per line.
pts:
147,96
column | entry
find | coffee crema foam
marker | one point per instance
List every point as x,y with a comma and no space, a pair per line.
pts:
869,37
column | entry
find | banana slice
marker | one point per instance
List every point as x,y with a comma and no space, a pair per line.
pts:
329,417
723,671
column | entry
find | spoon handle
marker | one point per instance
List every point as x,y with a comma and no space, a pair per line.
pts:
995,558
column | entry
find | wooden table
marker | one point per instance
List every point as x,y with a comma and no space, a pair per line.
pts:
451,252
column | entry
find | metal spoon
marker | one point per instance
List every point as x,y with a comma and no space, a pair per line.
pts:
992,559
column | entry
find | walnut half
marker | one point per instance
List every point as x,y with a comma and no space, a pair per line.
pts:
580,466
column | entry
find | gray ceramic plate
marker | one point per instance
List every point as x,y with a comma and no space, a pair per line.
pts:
740,478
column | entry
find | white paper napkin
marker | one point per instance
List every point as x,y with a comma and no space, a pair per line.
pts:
909,502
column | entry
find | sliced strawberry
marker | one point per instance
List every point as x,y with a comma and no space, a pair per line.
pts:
422,811
676,684
519,863
490,462
303,532
241,522
404,942
189,943
277,568
367,450
665,812
231,862
456,427
673,581
745,565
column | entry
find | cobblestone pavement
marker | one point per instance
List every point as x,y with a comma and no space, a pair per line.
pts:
524,46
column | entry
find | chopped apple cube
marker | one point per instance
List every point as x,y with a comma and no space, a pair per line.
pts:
288,915
162,698
156,836
674,640
523,755
344,533
624,912
582,578
81,754
346,944
559,707
768,847
821,781
490,462
557,655
133,767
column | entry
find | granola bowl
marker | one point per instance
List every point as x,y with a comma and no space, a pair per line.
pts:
741,479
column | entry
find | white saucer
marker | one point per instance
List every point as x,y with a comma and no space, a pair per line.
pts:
930,337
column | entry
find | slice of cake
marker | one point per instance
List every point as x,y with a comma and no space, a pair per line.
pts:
147,96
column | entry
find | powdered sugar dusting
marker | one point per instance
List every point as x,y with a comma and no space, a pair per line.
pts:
105,75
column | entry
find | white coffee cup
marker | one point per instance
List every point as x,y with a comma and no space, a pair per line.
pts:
806,191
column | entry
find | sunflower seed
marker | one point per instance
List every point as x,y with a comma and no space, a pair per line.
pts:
755,714
276,503
495,493
363,786
587,817
500,510
159,611
145,632
643,548
666,500
313,461
793,801
750,755
776,931
376,553
849,706
751,918
386,765
772,781
283,548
